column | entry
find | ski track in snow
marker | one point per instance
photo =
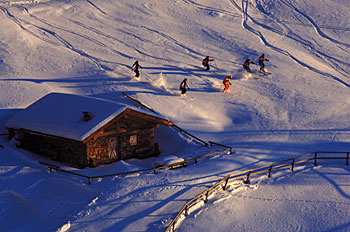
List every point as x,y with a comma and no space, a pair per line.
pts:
54,38
332,61
164,195
317,29
288,33
210,9
187,51
45,34
245,15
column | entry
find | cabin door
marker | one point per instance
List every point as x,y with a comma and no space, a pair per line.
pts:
112,148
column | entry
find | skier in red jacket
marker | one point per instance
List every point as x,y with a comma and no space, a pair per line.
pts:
227,83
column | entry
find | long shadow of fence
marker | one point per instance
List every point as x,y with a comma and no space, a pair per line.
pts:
245,175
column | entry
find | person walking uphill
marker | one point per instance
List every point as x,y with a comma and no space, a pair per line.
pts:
246,65
262,58
205,62
227,83
183,87
135,68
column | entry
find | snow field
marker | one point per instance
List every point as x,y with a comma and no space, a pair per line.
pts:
88,47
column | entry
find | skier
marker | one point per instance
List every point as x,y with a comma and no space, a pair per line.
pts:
135,68
246,65
183,87
262,58
227,83
205,62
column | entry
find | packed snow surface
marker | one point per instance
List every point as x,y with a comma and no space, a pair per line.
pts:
87,48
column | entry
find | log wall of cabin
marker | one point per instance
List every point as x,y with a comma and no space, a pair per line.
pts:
58,149
144,147
102,150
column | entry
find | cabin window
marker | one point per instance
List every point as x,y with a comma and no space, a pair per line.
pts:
133,140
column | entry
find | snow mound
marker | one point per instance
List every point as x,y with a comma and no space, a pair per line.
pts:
123,166
167,160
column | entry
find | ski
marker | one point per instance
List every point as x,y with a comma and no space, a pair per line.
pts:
264,72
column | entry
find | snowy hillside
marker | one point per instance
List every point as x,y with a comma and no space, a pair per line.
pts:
88,47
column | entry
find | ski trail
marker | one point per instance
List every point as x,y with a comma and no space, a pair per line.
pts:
187,51
287,32
47,36
207,8
264,41
317,29
89,38
96,7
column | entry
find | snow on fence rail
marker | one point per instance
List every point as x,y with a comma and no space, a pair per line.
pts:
223,184
52,167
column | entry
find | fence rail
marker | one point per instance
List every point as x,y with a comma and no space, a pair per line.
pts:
52,167
139,103
222,184
218,144
190,135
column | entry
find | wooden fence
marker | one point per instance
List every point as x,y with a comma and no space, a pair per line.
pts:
222,184
190,135
52,167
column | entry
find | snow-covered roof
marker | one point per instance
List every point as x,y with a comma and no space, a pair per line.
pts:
61,115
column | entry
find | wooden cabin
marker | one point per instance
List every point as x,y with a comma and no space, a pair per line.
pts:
85,131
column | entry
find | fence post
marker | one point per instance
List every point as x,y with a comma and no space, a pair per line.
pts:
174,225
247,181
155,171
206,197
270,170
225,186
230,150
292,168
347,158
315,159
186,211
89,180
195,160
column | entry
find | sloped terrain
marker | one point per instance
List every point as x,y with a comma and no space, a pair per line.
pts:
88,47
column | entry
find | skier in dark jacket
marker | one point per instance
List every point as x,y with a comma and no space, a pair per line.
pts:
246,65
135,68
262,58
183,86
205,62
